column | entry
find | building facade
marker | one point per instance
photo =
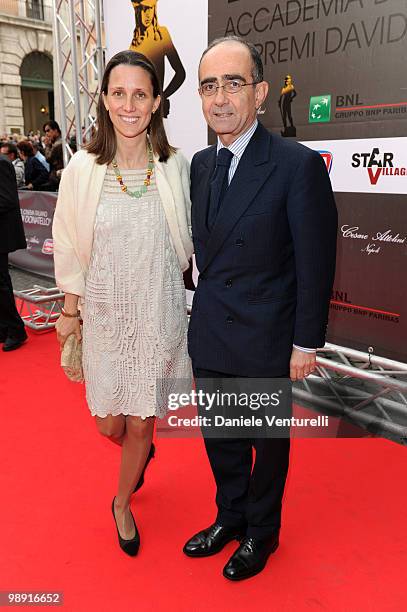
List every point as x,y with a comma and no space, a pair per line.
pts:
26,66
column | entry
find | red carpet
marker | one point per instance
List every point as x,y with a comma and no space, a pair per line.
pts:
343,543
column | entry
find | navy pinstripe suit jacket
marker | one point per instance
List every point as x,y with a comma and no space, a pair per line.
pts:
267,267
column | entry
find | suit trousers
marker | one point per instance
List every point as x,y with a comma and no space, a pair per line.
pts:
249,495
11,323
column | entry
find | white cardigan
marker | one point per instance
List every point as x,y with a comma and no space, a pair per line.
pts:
78,199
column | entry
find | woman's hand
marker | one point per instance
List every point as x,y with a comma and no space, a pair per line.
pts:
65,326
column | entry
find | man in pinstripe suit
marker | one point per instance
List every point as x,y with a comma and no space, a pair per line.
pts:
264,225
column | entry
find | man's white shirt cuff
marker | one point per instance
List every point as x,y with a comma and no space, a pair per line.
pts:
305,350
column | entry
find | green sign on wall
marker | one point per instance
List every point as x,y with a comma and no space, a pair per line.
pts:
320,109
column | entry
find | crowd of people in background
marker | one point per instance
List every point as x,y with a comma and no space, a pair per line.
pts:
37,159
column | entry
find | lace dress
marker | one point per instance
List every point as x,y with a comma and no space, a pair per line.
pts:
135,318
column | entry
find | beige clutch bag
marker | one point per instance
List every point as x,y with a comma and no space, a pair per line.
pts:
71,359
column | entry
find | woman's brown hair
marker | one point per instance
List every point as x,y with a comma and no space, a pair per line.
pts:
103,143
26,147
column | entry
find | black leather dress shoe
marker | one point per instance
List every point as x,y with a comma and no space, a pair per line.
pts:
211,540
11,344
150,456
130,547
250,558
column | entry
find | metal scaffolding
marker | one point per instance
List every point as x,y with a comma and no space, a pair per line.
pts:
79,63
366,390
40,307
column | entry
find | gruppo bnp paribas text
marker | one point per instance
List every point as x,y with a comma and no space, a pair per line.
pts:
351,25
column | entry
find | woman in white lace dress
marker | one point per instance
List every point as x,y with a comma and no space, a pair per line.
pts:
121,242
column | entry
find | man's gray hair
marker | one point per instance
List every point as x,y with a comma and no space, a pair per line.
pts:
257,63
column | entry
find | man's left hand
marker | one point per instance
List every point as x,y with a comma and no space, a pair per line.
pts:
301,364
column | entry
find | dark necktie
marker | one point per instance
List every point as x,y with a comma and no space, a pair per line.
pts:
219,184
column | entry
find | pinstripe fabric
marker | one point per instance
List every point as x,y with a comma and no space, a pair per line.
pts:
238,147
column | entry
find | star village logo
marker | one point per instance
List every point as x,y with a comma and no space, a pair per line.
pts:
328,159
320,109
377,165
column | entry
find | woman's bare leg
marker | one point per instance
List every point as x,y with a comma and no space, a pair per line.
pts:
135,448
113,427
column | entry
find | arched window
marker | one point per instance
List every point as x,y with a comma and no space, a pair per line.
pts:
36,71
37,90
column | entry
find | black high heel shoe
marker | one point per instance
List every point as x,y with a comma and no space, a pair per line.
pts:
150,456
130,547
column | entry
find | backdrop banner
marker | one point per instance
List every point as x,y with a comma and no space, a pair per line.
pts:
173,34
344,59
369,305
334,68
336,73
37,212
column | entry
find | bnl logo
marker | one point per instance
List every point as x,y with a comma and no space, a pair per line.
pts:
319,109
328,159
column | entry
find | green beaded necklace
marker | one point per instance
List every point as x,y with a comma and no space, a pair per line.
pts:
147,180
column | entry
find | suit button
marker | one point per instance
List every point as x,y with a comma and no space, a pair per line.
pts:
229,320
228,283
239,242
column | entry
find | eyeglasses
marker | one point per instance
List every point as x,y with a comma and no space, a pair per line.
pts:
232,87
